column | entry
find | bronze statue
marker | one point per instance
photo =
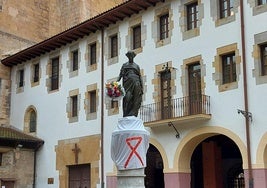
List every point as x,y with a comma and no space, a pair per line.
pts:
132,83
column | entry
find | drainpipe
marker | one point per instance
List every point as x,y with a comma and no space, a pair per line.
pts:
102,109
250,176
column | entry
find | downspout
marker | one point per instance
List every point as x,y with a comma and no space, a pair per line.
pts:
102,109
250,176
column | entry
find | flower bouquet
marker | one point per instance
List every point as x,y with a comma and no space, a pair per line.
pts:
114,90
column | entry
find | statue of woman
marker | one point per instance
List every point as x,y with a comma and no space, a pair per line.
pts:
132,83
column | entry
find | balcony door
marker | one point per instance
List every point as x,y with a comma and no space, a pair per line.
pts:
166,106
195,97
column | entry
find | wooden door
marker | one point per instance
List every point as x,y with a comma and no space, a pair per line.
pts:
166,102
79,176
195,97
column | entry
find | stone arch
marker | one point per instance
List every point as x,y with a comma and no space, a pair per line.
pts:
188,144
162,152
27,119
261,160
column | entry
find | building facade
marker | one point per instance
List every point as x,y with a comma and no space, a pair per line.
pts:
203,66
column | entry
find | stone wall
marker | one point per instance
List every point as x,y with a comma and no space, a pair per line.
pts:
16,167
4,94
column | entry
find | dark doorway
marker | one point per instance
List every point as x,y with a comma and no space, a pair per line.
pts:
79,176
8,184
154,170
217,162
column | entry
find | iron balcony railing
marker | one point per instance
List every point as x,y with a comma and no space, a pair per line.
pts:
175,108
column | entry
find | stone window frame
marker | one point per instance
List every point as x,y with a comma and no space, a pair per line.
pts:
217,64
259,39
90,88
187,34
33,66
215,13
185,76
49,72
69,106
111,32
257,9
27,119
72,49
91,40
166,9
133,22
20,89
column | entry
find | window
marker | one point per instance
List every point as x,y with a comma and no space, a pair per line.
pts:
226,8
228,68
263,51
1,156
113,46
192,16
21,78
137,37
164,26
55,73
93,54
262,2
74,106
92,101
75,55
36,72
33,121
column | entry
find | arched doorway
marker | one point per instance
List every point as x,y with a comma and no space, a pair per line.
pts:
217,162
154,170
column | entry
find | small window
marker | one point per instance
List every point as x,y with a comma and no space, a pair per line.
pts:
75,55
113,46
55,73
36,72
74,106
192,16
263,51
226,8
229,68
21,78
33,122
92,101
92,54
137,37
1,156
164,26
262,2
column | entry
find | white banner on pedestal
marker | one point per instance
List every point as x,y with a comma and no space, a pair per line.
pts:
129,144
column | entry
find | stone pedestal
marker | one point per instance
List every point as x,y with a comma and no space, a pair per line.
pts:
131,178
129,145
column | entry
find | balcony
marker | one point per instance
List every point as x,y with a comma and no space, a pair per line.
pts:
180,110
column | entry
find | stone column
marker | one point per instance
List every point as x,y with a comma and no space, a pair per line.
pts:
129,145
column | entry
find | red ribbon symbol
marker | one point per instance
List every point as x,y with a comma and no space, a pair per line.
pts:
133,149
